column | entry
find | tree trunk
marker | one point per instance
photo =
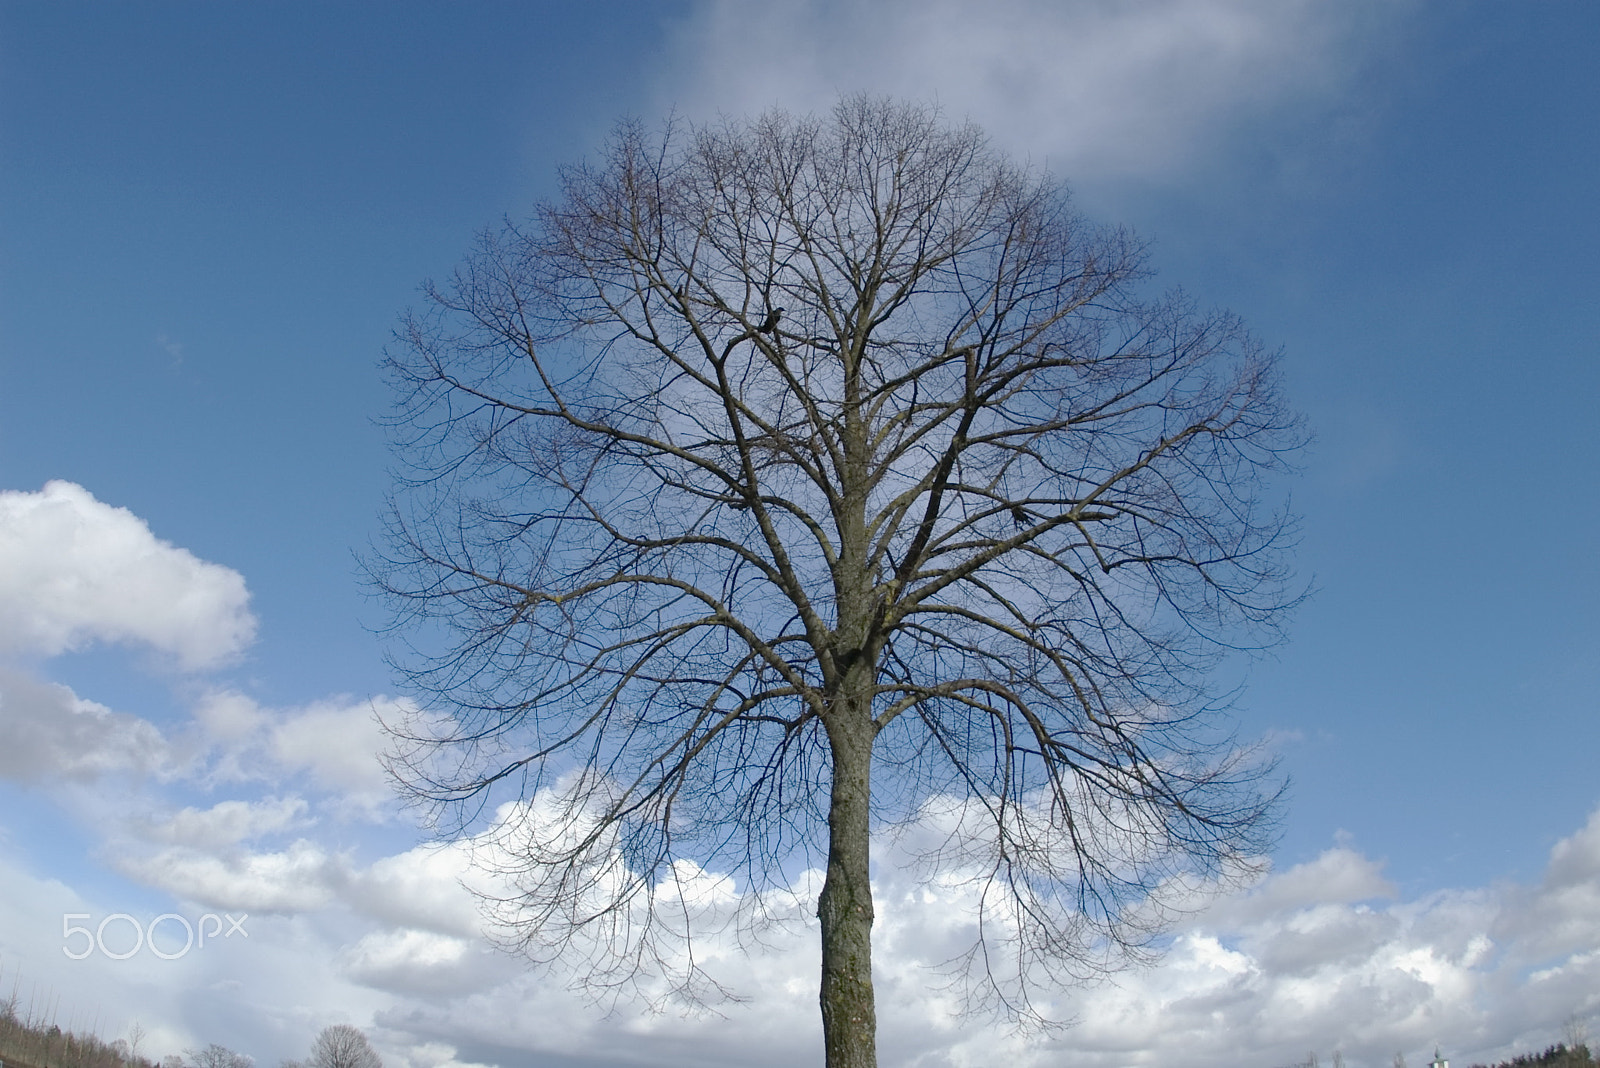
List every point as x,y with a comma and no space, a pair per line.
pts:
849,1015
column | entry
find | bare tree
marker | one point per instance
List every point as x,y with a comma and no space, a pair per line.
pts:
1575,1036
216,1056
343,1046
791,478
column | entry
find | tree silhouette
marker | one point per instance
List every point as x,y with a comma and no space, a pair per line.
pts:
788,479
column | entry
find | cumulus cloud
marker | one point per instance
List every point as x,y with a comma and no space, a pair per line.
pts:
424,888
1099,89
228,823
1564,909
74,571
309,767
1339,876
425,964
49,734
331,746
304,877
230,719
215,855
338,743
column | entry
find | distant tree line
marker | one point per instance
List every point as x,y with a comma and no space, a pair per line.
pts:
1574,1053
30,1043
26,1043
1557,1056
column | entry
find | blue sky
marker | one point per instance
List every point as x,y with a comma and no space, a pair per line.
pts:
212,214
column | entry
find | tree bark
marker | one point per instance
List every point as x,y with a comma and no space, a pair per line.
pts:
849,1013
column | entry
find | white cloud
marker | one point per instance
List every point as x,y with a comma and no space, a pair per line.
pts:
1099,89
229,719
332,746
228,823
1338,876
422,888
75,571
424,963
302,878
338,743
433,1055
1564,909
48,733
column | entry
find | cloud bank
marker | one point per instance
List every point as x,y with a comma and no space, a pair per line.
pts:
1319,957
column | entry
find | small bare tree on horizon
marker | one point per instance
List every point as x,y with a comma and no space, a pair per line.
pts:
216,1055
787,479
342,1046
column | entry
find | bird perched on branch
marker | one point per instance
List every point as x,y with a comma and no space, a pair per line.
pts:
771,323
